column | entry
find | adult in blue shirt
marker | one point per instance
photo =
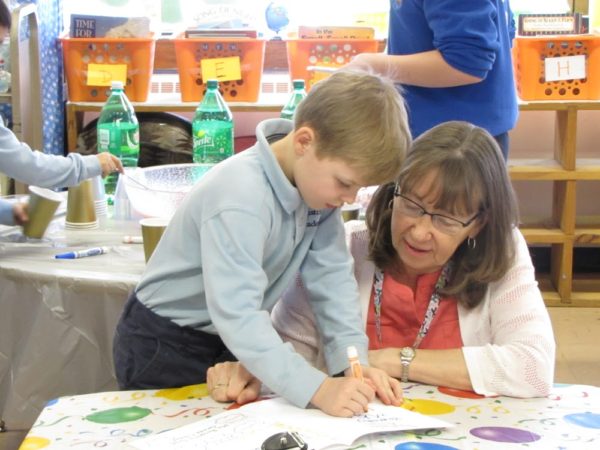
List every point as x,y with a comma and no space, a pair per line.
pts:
453,60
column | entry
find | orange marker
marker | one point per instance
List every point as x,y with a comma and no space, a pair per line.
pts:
355,366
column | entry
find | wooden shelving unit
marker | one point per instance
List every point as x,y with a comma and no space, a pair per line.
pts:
563,232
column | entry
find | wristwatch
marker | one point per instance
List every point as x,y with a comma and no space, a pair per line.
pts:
407,354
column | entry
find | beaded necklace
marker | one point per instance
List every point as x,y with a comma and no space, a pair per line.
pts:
432,307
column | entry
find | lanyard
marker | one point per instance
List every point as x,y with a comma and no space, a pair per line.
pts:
432,307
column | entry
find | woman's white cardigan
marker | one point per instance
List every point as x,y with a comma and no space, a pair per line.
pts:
508,341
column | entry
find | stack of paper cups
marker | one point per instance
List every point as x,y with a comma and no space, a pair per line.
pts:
100,202
81,213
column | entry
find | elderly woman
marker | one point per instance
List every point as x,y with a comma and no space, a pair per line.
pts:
448,291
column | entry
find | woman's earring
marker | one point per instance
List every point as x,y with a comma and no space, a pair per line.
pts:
471,243
391,204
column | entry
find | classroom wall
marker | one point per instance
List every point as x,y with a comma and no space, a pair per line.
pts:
533,138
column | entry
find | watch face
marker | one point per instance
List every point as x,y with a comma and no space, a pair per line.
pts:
407,352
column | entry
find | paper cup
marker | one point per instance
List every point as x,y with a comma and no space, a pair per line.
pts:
350,212
98,189
80,203
43,203
152,230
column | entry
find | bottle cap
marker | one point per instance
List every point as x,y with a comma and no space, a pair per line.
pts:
212,84
116,84
298,84
352,352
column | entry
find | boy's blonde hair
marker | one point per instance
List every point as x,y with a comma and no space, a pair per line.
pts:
360,119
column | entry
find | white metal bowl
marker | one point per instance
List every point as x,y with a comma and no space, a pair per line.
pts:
157,191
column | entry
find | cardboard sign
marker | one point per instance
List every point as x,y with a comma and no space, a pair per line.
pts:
565,68
222,69
104,74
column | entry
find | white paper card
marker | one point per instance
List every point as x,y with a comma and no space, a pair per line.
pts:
249,426
565,68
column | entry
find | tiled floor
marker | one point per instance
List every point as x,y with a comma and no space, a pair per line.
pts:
577,332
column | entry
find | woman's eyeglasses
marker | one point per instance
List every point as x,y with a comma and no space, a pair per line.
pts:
445,224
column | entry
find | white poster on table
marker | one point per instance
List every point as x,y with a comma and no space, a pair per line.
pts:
249,426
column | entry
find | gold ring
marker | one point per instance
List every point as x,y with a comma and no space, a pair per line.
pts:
219,385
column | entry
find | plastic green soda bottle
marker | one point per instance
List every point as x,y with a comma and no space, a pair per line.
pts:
297,95
119,133
212,127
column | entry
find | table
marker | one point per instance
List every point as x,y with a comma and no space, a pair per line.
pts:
58,317
569,418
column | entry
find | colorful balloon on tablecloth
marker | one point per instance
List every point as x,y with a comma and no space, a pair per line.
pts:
117,415
459,393
427,407
422,446
184,393
586,419
505,434
34,443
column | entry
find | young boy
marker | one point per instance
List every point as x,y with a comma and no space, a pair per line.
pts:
243,233
32,167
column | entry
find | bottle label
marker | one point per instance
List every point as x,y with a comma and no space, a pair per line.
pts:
120,139
212,140
103,139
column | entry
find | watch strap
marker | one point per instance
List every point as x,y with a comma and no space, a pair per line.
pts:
405,366
407,354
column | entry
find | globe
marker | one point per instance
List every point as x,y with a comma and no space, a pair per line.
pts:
277,16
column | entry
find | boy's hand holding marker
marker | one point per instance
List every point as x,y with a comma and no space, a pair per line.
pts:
350,395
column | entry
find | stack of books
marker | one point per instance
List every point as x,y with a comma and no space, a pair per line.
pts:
87,26
332,32
221,33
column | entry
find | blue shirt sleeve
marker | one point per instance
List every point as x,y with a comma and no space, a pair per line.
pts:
18,161
235,283
328,276
465,32
512,26
6,213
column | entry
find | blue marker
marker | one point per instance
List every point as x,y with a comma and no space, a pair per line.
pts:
82,253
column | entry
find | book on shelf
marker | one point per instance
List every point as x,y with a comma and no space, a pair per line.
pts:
92,26
334,32
222,33
551,24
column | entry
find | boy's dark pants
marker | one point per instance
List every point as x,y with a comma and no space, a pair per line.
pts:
152,352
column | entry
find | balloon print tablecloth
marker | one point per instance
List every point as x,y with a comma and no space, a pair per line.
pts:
569,418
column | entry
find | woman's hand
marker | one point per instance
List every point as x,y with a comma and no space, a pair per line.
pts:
230,381
387,388
109,163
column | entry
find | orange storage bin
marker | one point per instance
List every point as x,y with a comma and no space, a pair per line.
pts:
529,54
302,53
136,53
190,52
